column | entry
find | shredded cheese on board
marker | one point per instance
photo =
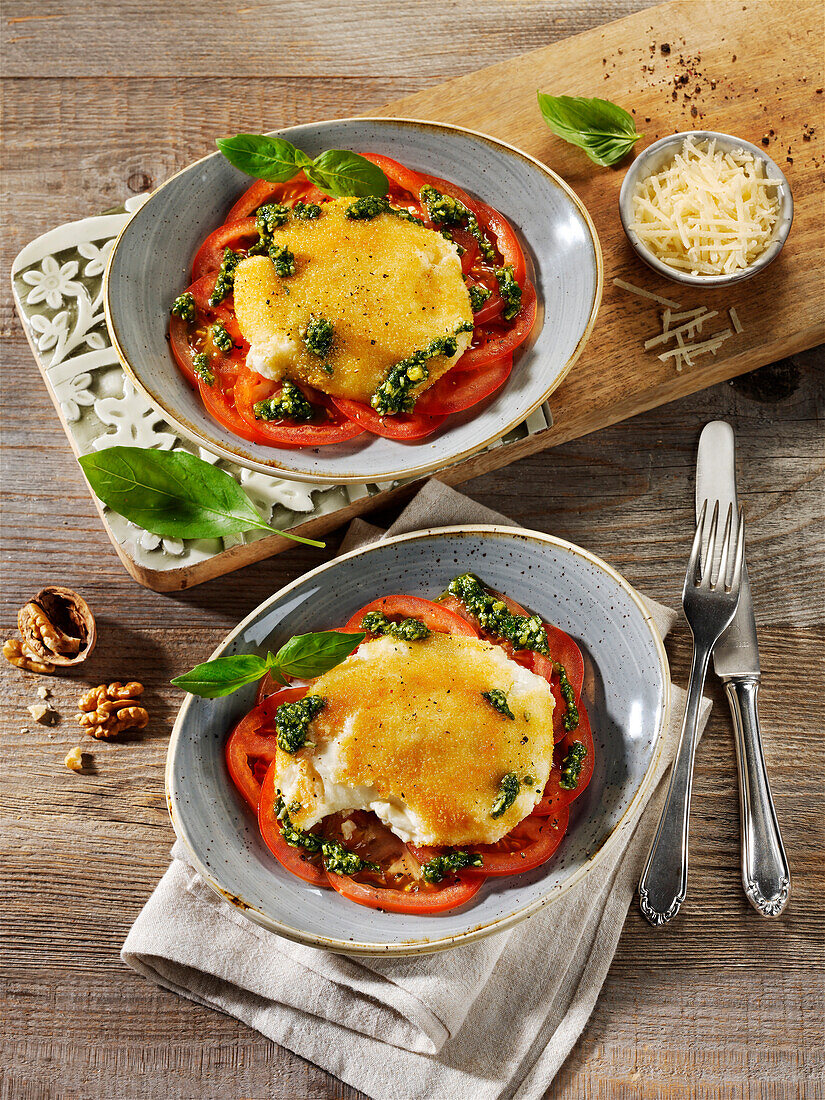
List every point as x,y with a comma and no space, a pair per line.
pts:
709,212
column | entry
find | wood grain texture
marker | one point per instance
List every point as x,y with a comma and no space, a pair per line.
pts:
721,1005
706,73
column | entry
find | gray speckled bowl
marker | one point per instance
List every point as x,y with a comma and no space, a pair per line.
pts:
660,153
151,260
626,687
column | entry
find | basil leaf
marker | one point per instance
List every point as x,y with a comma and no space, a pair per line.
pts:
173,494
308,655
267,158
213,679
605,131
342,174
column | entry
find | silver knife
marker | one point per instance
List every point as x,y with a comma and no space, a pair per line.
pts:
765,874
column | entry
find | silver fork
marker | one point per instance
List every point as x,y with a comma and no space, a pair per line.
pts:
709,604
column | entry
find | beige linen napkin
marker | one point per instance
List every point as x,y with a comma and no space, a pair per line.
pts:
494,1019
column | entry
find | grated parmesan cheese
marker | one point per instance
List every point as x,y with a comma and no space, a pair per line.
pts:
709,212
645,294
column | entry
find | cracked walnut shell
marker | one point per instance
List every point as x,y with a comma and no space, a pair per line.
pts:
107,711
58,626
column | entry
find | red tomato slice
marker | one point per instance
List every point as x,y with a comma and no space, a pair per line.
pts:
330,427
495,344
235,235
261,192
554,793
427,899
399,174
221,406
296,860
494,304
250,748
404,426
434,615
454,392
530,844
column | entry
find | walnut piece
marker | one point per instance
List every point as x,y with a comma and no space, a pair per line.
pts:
43,713
74,759
19,654
43,635
58,626
107,711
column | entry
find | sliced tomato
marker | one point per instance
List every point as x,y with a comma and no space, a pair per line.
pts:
456,391
236,235
506,240
434,615
495,343
297,860
399,174
554,794
330,425
530,844
221,405
403,426
261,191
494,305
421,899
250,747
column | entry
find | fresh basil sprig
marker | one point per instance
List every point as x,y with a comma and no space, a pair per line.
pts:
604,130
303,657
337,172
174,494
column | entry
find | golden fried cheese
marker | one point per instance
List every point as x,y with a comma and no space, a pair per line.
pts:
407,733
388,286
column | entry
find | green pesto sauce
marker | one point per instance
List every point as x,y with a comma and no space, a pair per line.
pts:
200,366
508,792
220,337
478,296
445,211
395,395
184,307
270,216
571,712
509,290
225,282
437,868
318,335
571,766
368,207
289,404
292,721
498,701
408,630
525,632
306,211
337,858
282,259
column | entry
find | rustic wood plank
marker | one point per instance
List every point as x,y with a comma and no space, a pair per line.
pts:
721,1005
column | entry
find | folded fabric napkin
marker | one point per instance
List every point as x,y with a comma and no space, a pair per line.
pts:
493,1019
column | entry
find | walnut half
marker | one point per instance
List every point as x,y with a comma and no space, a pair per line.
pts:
18,653
58,626
107,711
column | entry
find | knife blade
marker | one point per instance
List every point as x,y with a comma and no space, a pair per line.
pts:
737,651
766,877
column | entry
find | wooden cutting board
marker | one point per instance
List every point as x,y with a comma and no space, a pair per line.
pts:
753,69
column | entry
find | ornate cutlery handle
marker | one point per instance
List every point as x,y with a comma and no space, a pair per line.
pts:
663,884
765,873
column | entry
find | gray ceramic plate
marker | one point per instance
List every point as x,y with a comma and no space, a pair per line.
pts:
151,260
627,687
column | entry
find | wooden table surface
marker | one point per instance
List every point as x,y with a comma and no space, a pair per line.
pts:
101,101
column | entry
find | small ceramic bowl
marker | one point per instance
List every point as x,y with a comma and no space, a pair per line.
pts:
151,262
661,153
626,689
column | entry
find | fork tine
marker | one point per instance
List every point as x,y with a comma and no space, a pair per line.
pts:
691,573
708,562
724,562
739,557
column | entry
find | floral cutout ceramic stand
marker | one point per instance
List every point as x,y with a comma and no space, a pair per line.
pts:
58,290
